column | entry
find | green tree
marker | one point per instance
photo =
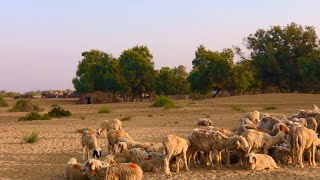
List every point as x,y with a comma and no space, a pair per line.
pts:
165,81
310,69
181,85
138,72
97,71
275,53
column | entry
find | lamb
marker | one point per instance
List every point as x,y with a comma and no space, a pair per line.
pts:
115,136
204,122
73,171
260,140
253,116
311,123
108,125
303,138
90,142
96,170
158,148
260,162
281,155
175,146
229,143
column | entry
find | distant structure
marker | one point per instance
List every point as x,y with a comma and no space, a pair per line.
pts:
59,94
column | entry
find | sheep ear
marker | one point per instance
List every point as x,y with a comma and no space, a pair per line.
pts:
254,159
250,159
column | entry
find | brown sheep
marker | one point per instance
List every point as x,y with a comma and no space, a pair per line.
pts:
115,136
73,171
253,116
281,155
108,125
175,146
89,142
204,122
260,162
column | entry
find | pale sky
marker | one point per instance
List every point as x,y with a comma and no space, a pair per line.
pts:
41,41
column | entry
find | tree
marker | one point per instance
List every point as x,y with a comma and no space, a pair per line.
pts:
181,85
310,69
275,53
138,72
165,81
97,71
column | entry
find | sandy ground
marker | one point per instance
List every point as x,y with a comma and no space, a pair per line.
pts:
46,158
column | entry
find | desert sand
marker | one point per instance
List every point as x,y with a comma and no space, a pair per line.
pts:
59,140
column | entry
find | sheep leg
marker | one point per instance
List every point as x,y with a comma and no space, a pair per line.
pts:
228,157
166,163
300,159
309,156
210,159
84,153
313,154
217,158
185,159
177,163
220,159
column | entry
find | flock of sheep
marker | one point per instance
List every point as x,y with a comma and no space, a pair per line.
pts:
260,142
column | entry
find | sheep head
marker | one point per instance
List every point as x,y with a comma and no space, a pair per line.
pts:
252,160
242,144
91,166
109,160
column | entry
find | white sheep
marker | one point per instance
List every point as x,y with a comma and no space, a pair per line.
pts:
97,170
311,123
260,162
204,122
73,171
259,140
115,136
90,142
108,125
253,116
246,121
267,123
175,146
158,148
121,147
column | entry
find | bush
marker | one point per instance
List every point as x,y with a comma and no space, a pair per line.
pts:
125,118
34,116
237,107
269,108
3,102
31,137
104,109
24,105
163,101
58,112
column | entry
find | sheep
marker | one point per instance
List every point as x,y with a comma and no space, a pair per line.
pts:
311,123
260,162
134,155
73,171
90,142
108,125
303,138
229,143
204,122
257,140
253,116
175,146
267,123
222,130
303,122
281,155
96,170
109,159
246,121
243,128
155,163
121,147
158,148
115,136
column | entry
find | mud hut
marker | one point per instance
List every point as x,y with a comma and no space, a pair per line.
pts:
97,97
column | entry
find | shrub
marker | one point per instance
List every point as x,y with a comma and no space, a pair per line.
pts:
125,118
34,116
237,107
58,112
3,102
104,109
163,101
269,108
31,137
24,105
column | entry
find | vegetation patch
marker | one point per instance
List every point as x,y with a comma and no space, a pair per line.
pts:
31,137
164,101
3,103
24,105
34,116
125,118
58,112
237,107
104,109
269,108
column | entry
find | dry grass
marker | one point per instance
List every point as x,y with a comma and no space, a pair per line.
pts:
47,159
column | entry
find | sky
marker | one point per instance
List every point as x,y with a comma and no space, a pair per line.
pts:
41,41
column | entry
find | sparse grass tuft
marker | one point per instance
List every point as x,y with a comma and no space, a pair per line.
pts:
269,108
125,118
164,101
34,116
3,103
237,107
58,112
24,105
31,137
150,115
104,109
